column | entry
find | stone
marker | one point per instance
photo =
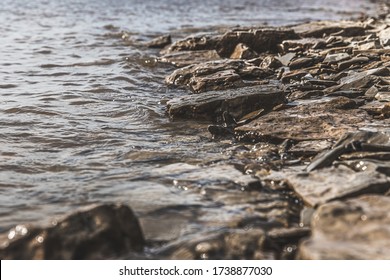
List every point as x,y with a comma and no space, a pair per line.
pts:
160,42
238,103
242,51
301,44
384,37
319,29
317,121
100,232
193,43
301,63
270,62
357,228
185,58
217,75
226,244
336,57
336,182
259,40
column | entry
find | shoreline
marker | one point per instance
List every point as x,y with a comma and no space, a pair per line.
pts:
308,106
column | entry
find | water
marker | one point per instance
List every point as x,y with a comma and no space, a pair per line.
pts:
82,115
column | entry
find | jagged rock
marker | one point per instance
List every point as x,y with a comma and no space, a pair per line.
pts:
185,58
259,40
384,37
101,232
353,229
317,121
270,62
237,102
160,42
193,43
242,51
217,75
320,186
320,28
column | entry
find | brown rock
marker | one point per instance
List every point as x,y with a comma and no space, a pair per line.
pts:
193,43
185,58
320,28
237,103
313,121
354,229
160,42
101,232
259,40
242,51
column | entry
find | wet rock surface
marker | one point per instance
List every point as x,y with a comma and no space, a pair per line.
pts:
303,112
104,231
353,229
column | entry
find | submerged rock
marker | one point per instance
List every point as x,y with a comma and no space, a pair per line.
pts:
101,232
357,228
237,103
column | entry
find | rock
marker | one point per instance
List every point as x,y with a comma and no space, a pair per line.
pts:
320,186
354,61
185,58
237,102
226,244
160,42
384,37
270,62
217,75
259,40
301,44
336,57
193,43
353,229
286,58
317,121
301,63
383,96
101,232
321,28
243,52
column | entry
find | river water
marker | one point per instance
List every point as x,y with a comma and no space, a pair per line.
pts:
82,115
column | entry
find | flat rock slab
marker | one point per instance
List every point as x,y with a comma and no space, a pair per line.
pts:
318,29
101,232
217,75
358,228
238,103
320,186
306,122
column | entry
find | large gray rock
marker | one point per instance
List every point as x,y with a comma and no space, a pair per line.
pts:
358,228
101,232
238,103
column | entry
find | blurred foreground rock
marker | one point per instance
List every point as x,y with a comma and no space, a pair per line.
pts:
101,232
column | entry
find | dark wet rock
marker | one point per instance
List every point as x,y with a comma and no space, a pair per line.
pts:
317,121
217,75
160,42
101,232
238,103
193,43
321,28
301,63
222,244
259,40
185,58
353,229
242,51
320,186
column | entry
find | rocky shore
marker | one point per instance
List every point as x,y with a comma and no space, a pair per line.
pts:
306,108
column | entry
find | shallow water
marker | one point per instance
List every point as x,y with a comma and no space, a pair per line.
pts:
82,115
